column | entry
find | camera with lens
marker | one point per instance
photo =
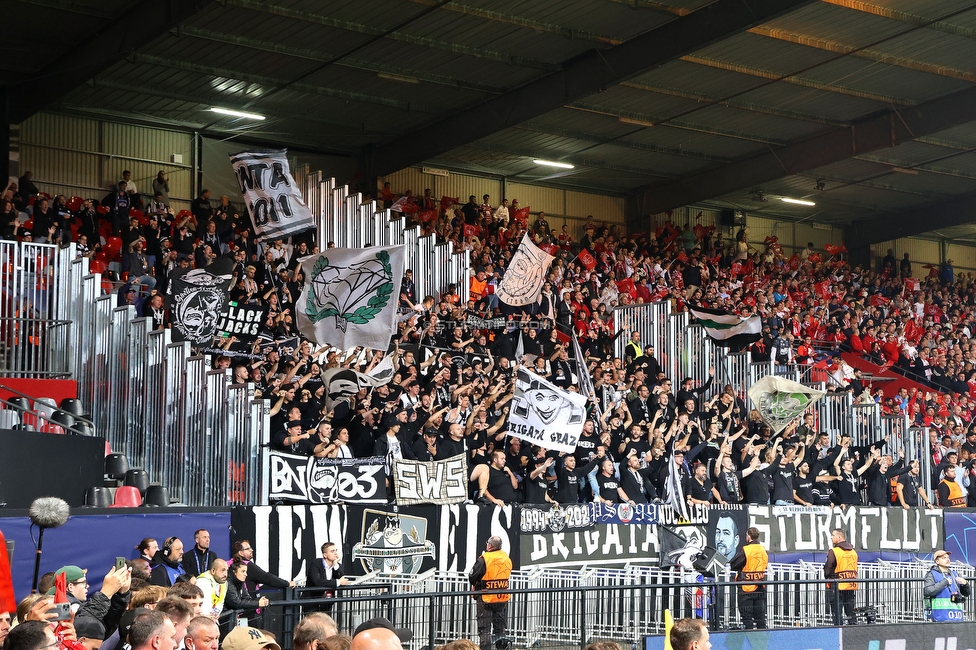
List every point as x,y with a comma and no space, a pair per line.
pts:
957,598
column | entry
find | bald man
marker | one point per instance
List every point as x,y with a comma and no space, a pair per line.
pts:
213,584
376,639
202,634
379,634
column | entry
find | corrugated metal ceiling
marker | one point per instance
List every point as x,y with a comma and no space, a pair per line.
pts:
345,76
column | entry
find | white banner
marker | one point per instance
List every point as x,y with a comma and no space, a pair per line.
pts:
526,273
544,414
781,401
273,200
350,297
441,481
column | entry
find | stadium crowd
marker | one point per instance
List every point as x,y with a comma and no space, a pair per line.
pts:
167,599
451,390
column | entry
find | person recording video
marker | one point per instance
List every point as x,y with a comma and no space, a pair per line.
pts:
945,591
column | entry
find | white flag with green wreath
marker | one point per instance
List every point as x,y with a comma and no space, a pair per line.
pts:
351,296
781,401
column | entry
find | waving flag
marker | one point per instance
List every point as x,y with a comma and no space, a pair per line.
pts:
405,205
525,276
273,199
727,329
522,215
587,259
544,414
348,299
781,401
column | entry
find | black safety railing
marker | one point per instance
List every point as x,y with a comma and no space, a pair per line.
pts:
580,615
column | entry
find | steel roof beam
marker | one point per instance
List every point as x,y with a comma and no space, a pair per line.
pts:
797,80
905,17
311,55
911,222
141,23
578,161
519,21
399,36
736,103
346,128
651,121
869,182
622,142
580,77
879,131
868,54
71,7
185,66
653,6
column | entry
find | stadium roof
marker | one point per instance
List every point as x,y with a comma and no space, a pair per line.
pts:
865,107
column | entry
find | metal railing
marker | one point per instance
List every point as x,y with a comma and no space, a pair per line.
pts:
560,607
348,222
35,321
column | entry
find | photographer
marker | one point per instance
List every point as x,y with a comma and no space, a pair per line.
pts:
945,591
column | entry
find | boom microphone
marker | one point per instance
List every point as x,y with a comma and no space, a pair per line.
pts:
46,512
49,512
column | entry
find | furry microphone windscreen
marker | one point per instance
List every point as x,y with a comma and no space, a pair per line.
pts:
49,512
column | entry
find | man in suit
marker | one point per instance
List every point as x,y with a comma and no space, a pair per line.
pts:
327,574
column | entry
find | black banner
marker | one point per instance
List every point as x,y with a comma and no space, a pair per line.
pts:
411,538
327,480
241,321
783,529
199,301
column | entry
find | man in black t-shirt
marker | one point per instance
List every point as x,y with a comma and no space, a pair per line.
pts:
569,478
909,487
610,490
699,487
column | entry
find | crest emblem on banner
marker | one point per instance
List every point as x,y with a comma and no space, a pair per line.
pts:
352,294
349,297
525,276
780,401
393,543
199,302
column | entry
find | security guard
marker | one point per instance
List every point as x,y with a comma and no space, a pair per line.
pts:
634,350
950,494
841,564
491,571
750,562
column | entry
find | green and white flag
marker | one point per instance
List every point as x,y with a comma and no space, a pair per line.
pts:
351,296
781,401
727,329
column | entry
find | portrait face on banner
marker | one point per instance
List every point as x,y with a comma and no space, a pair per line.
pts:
727,529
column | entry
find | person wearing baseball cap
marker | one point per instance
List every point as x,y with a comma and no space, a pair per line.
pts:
248,638
945,591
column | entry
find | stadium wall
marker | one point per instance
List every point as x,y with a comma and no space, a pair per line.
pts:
78,156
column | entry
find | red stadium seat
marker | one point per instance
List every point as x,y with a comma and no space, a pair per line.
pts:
127,497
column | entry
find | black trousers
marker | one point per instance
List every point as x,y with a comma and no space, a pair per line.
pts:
752,609
846,609
491,617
